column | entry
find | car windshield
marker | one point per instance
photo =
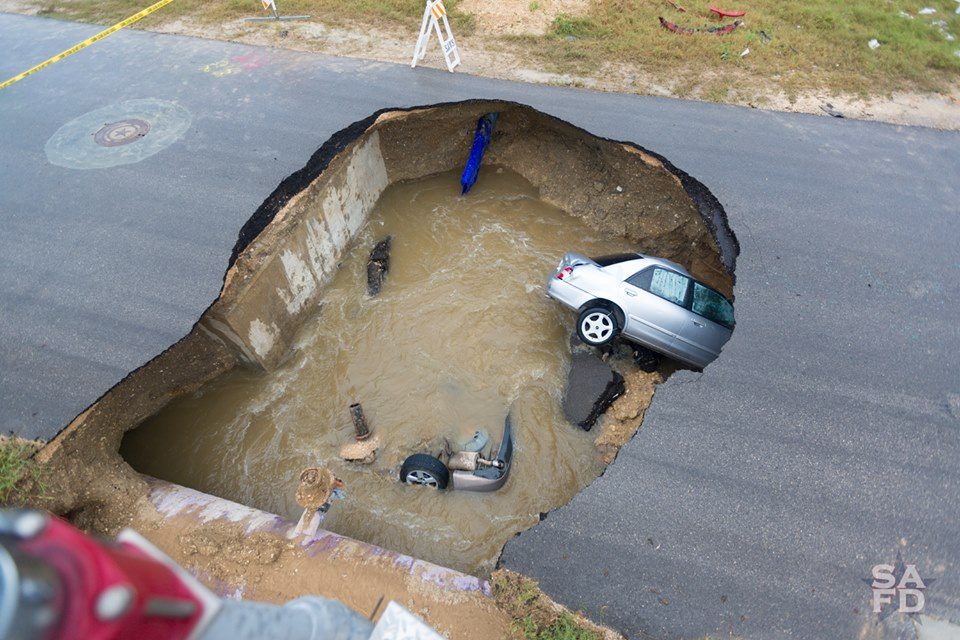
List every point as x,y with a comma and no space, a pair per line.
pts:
711,305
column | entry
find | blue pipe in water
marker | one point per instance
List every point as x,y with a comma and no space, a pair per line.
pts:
480,141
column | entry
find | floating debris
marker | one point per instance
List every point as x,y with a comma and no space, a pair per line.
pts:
377,265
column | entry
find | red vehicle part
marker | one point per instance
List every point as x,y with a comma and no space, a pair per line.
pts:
672,26
728,14
102,591
57,583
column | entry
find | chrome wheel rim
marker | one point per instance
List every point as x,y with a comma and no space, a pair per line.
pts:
597,326
422,478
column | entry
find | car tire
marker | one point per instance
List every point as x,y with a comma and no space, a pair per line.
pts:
597,326
425,470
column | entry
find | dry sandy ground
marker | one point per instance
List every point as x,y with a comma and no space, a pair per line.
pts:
515,16
493,58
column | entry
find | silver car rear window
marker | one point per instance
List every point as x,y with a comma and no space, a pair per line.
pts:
616,258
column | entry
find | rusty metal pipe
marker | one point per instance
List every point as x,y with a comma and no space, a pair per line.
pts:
359,422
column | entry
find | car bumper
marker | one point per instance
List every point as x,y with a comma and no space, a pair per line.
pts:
467,481
568,294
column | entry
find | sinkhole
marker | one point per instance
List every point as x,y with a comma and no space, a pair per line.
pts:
460,334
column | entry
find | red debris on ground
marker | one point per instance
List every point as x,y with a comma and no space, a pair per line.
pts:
719,30
728,14
672,26
724,29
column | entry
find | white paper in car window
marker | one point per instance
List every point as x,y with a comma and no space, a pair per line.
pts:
669,285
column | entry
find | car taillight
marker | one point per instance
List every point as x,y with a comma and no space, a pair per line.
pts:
564,272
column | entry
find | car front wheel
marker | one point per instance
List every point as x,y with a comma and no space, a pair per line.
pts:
597,326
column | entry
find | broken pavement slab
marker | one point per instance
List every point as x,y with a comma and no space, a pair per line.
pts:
592,386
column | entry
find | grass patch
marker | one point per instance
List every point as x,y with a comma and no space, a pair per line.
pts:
564,628
19,475
565,26
535,616
810,44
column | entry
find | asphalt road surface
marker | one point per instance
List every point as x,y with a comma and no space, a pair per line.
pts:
756,497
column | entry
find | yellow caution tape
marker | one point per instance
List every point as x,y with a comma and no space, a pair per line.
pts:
86,43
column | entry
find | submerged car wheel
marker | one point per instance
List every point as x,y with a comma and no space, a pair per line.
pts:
597,326
425,470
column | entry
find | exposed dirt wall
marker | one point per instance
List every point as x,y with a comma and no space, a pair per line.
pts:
83,475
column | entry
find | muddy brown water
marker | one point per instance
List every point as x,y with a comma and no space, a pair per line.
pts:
461,332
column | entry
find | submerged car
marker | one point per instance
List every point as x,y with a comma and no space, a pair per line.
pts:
466,470
648,300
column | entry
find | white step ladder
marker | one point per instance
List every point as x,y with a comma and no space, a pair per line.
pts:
433,14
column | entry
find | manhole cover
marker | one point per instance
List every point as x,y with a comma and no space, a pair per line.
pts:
87,143
122,132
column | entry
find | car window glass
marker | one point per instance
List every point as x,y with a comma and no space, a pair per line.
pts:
616,258
711,305
669,285
641,279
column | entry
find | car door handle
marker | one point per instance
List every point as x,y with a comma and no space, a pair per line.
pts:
630,293
698,323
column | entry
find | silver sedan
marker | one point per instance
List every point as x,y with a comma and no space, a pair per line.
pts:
651,301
